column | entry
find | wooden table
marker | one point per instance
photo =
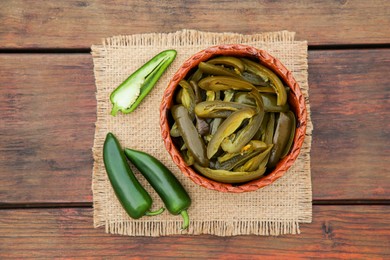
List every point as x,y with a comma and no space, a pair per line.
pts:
48,111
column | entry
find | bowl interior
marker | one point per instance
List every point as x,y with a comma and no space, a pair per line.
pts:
295,100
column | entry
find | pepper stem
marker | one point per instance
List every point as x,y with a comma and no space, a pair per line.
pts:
114,110
186,219
154,213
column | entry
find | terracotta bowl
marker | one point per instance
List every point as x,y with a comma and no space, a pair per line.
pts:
295,100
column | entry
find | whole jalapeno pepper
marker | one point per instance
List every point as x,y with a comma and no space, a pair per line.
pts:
134,198
174,196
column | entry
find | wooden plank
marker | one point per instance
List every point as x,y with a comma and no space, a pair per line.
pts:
351,114
48,111
47,103
79,24
358,232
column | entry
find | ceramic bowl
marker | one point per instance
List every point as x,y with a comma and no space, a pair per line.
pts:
295,99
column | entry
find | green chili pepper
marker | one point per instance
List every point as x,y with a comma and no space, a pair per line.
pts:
261,131
268,75
216,83
128,95
254,79
174,196
133,197
218,108
237,141
281,138
187,97
259,161
292,134
269,101
201,125
234,62
216,70
228,127
250,147
189,133
237,160
196,76
174,131
269,131
229,176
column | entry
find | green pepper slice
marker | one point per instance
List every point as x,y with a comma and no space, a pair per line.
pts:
281,138
216,70
216,83
237,160
228,127
189,134
235,142
269,131
188,97
259,161
292,134
269,101
268,75
230,61
129,94
218,108
229,176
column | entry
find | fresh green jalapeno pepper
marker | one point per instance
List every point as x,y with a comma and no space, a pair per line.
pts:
229,176
189,133
134,198
268,75
173,194
128,95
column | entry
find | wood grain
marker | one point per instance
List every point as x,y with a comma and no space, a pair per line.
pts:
350,102
354,232
79,24
47,107
48,111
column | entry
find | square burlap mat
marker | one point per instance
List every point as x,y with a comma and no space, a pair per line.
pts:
273,210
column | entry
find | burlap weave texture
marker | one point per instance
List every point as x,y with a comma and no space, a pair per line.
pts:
273,210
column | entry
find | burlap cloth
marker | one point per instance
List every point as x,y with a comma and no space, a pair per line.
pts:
273,210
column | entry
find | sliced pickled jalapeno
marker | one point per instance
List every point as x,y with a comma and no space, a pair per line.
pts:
232,119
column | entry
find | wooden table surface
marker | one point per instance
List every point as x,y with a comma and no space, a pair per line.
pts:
48,111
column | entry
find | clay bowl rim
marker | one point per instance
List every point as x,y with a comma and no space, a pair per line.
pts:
295,98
